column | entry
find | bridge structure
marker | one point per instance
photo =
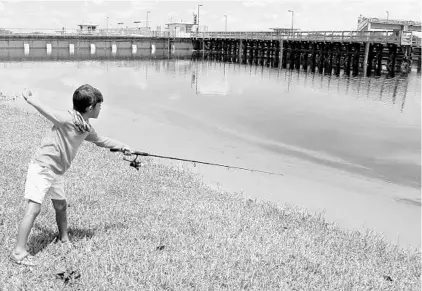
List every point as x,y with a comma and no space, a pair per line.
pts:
369,52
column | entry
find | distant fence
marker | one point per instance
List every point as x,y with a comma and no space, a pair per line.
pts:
135,32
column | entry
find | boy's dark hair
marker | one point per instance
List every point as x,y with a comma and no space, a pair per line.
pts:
86,96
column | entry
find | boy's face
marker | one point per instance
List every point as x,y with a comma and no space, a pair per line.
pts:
96,110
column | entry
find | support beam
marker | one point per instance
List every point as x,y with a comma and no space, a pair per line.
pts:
365,60
281,53
240,50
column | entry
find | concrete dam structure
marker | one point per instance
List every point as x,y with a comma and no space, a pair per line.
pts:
92,42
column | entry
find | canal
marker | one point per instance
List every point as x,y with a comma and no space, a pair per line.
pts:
347,146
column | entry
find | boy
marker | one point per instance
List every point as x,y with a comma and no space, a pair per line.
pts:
53,158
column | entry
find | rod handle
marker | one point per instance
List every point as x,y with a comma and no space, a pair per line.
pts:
133,153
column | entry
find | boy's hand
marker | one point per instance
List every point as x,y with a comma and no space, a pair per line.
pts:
127,151
27,94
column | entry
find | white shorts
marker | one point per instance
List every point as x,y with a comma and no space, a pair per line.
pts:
41,181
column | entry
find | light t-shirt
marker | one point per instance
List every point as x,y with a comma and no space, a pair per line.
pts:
61,144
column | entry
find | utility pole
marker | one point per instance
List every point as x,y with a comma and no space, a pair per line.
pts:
387,14
293,13
225,26
199,5
147,19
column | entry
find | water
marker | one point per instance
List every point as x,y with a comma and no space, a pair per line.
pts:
348,146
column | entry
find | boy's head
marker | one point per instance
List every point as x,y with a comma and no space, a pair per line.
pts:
87,98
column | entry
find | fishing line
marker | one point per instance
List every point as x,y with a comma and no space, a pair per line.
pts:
137,164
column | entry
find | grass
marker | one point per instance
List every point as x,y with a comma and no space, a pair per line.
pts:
161,228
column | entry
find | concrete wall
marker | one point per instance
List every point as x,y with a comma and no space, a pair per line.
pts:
82,54
63,42
12,43
14,47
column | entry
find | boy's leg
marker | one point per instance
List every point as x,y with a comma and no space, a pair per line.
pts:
32,211
38,182
61,218
58,198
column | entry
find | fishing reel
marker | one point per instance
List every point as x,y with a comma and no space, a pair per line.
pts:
134,163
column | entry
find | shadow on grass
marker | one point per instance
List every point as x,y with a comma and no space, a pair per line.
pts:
46,236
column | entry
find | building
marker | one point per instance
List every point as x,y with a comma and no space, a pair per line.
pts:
87,28
377,24
179,28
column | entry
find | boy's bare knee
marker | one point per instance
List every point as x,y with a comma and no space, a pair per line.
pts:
33,208
59,205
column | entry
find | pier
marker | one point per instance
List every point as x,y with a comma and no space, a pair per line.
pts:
354,52
368,52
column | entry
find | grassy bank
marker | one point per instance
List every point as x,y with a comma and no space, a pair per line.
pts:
162,229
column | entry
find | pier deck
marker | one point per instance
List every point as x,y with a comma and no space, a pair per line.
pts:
387,37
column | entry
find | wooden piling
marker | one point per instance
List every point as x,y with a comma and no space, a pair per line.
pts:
365,60
348,59
355,63
379,59
313,57
240,49
281,54
324,56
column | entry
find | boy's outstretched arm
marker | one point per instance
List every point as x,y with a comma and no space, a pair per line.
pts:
54,116
106,142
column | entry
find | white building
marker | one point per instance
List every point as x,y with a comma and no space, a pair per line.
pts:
87,28
377,24
179,28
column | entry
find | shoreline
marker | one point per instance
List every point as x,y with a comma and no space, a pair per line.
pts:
162,225
353,201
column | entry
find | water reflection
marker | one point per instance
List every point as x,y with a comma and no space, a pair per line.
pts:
87,54
371,124
354,123
381,89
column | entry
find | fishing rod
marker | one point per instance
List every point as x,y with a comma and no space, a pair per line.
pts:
137,164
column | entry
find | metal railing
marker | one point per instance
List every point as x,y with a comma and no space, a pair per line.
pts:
401,38
135,32
36,31
392,21
127,32
324,36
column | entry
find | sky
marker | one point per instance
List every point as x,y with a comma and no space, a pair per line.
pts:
242,15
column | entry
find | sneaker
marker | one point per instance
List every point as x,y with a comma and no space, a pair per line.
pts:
26,260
